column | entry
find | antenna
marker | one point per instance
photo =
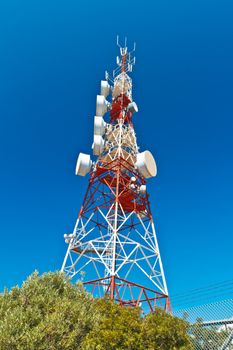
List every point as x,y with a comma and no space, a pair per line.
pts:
123,49
125,62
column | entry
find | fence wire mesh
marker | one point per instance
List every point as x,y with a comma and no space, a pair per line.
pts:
210,325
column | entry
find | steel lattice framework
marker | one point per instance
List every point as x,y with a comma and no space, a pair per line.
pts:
113,248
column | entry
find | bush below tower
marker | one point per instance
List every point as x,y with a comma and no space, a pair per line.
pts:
48,312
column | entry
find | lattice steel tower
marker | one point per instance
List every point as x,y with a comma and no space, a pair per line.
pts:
113,248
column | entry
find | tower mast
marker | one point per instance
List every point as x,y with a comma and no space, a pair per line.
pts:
113,247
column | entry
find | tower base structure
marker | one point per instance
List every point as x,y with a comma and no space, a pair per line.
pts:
127,293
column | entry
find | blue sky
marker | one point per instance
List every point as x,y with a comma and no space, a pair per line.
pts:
53,56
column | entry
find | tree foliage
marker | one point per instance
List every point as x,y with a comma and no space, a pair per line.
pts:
118,328
165,331
50,313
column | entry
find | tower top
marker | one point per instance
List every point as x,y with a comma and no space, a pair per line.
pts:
126,60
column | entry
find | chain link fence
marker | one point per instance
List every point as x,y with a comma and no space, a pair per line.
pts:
211,325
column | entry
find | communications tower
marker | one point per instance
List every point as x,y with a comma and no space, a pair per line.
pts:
113,248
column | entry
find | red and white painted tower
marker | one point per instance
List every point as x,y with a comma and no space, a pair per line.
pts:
113,248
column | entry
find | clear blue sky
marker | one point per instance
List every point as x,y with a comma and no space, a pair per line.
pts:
53,56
